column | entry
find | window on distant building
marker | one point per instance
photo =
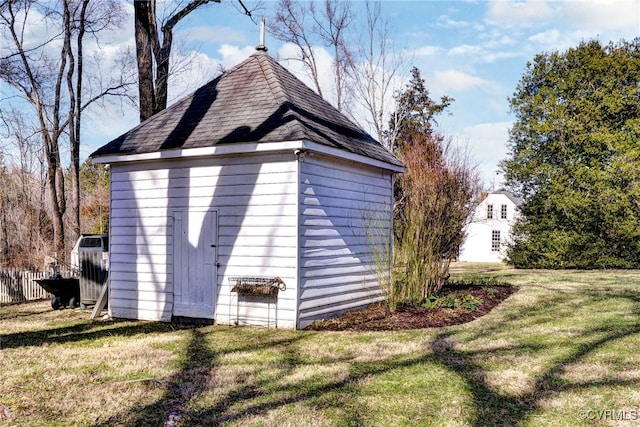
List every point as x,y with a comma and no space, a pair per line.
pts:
489,211
495,240
503,212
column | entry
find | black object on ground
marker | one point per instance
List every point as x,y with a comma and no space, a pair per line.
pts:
65,291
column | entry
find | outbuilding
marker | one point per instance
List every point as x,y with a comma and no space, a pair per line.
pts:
251,201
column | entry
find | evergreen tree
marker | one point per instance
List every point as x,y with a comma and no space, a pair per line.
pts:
575,158
415,113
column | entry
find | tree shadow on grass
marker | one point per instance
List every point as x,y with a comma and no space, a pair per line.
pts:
494,408
321,393
338,398
192,378
258,393
255,393
81,332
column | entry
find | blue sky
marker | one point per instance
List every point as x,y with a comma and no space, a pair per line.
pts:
473,51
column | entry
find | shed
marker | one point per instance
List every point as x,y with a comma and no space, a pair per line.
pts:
489,232
253,177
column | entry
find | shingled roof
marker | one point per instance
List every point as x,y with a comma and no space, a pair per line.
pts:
257,101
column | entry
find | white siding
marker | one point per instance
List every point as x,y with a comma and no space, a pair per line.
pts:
255,198
477,244
341,206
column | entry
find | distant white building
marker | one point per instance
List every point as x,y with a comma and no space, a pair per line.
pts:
489,232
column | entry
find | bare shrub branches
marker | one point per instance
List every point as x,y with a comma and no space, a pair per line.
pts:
435,197
434,201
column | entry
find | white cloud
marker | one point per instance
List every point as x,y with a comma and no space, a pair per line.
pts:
37,28
454,80
491,137
105,125
518,13
428,51
603,15
465,49
288,54
497,56
196,70
445,21
490,51
113,41
555,39
558,25
232,55
124,34
549,37
499,41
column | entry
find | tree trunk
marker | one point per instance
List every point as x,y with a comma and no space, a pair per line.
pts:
75,115
143,35
30,74
154,94
55,187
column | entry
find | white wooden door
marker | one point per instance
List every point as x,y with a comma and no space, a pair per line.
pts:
194,263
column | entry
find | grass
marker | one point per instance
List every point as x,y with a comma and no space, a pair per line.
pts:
562,351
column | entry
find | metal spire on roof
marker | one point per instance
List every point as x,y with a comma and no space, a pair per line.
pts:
261,47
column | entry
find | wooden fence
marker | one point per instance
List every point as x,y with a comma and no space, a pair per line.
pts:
20,286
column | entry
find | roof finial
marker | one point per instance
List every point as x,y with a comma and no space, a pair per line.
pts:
261,47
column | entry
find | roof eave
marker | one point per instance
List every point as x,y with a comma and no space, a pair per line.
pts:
358,158
216,150
247,148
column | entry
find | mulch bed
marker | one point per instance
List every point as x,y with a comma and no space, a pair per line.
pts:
378,317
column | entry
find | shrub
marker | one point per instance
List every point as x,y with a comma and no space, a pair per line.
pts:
452,301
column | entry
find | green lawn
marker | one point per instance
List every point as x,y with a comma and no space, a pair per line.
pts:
562,351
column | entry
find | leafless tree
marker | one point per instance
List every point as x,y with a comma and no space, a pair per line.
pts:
289,25
51,83
25,230
153,49
366,69
308,27
154,41
337,17
376,73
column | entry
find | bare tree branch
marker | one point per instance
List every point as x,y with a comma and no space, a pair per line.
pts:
41,80
152,51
